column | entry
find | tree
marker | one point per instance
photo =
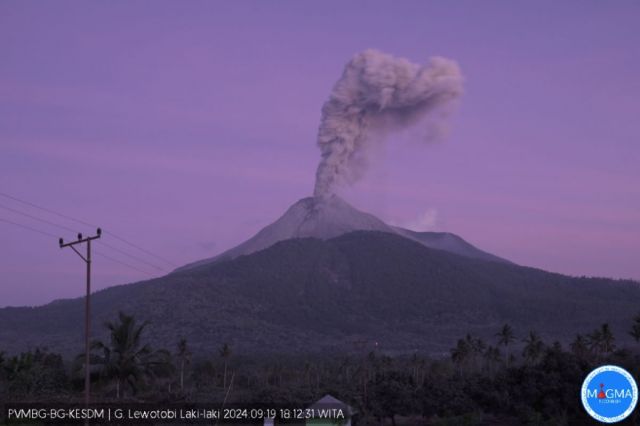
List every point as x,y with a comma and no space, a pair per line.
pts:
533,347
608,345
505,338
393,394
2,364
417,365
184,357
580,347
594,340
125,359
635,328
2,375
225,353
601,341
492,357
461,353
34,372
478,346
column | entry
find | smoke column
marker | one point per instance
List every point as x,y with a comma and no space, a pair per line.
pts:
376,94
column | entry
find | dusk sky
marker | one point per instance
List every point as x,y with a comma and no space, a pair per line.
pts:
185,127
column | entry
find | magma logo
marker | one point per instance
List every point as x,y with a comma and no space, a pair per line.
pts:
609,394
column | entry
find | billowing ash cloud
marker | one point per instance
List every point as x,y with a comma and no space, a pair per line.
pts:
376,94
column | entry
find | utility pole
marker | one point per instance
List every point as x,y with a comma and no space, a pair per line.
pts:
87,306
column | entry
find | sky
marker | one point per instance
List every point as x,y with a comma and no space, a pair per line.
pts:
185,127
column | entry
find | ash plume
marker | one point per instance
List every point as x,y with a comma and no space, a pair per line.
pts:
377,94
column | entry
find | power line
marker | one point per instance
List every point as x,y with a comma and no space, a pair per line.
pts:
132,256
11,197
37,218
28,228
140,248
47,234
121,262
72,230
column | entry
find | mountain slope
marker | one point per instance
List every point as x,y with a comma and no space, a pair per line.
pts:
449,242
309,295
331,217
308,217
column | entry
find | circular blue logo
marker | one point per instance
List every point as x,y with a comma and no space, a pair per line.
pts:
609,394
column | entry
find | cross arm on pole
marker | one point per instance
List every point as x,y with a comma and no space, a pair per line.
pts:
80,240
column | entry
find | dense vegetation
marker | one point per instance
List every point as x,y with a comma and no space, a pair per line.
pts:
403,333
311,296
515,378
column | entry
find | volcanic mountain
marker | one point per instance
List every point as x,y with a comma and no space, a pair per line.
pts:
324,276
330,217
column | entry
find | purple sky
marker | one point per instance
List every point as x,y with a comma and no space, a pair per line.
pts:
187,126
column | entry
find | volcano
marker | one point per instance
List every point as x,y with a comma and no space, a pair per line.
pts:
329,217
325,275
311,295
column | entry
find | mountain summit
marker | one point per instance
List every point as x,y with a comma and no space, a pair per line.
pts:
330,217
315,217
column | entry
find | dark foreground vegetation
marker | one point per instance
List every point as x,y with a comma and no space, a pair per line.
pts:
515,379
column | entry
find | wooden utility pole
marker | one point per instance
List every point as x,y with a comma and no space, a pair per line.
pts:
87,306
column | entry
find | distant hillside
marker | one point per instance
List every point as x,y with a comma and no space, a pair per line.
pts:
310,295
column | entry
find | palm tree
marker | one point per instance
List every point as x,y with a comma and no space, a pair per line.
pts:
307,372
594,340
368,371
635,328
417,365
533,347
4,369
601,341
505,338
460,354
184,357
607,339
125,359
225,353
492,357
477,347
580,346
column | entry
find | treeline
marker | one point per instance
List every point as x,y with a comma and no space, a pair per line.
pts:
512,380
